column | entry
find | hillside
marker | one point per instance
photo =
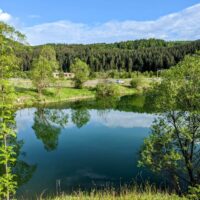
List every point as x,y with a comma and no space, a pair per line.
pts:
138,55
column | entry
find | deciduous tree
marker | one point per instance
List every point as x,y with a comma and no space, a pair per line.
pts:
81,71
173,146
8,64
43,68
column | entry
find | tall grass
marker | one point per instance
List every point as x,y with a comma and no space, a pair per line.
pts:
136,193
129,196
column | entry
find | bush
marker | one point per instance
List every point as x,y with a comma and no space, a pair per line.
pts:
136,74
107,90
113,74
93,75
136,83
21,74
146,74
123,74
151,74
194,193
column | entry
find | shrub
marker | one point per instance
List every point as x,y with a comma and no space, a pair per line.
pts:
113,74
151,74
123,74
194,193
146,74
93,75
136,83
107,90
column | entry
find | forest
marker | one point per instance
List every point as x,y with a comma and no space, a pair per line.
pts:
139,55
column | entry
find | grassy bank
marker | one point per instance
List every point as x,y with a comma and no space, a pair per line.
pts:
131,196
51,95
63,90
134,194
126,195
58,91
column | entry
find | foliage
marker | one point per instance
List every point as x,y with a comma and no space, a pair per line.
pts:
179,87
80,117
81,71
47,126
173,146
125,193
8,64
136,83
194,193
107,90
43,68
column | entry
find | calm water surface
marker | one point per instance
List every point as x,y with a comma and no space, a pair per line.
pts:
82,145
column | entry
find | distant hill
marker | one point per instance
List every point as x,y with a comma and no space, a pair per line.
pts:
140,44
142,55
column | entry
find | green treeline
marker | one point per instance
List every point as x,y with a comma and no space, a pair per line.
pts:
139,55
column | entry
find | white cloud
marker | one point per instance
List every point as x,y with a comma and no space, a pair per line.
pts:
5,17
9,19
118,119
183,25
108,118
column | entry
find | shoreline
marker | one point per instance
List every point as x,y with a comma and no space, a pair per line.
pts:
68,95
48,102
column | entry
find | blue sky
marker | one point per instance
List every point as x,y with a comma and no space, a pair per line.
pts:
88,21
91,11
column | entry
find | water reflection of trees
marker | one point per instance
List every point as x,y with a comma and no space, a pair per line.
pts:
21,170
105,105
129,103
47,126
80,117
103,114
48,122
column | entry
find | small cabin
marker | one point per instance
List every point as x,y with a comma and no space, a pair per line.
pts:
65,74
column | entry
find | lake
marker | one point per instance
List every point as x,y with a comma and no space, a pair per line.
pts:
82,145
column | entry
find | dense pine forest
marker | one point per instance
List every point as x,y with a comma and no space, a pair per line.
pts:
139,55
